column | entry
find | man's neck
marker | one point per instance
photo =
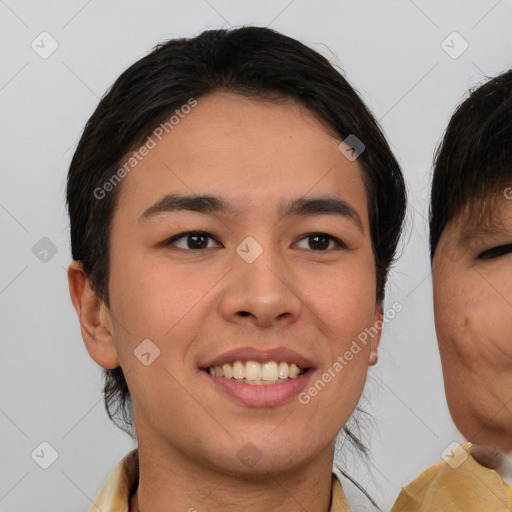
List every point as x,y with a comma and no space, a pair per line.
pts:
172,482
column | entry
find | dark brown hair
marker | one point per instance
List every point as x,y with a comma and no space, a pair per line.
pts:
473,164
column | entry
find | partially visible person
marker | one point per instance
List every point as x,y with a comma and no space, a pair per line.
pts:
471,254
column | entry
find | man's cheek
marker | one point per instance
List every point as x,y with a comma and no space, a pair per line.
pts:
453,320
495,342
487,328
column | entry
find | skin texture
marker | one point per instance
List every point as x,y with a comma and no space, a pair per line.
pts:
473,316
196,304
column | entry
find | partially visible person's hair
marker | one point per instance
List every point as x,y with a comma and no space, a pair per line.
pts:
251,61
473,164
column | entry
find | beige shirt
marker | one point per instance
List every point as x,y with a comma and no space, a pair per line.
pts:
117,490
459,483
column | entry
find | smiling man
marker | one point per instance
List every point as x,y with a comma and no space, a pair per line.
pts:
226,270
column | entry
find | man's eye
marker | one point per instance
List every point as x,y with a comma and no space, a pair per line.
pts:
192,240
495,252
321,242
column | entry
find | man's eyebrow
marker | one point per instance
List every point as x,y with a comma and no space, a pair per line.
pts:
192,203
323,205
302,206
483,230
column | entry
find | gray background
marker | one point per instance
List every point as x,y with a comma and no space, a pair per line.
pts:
50,389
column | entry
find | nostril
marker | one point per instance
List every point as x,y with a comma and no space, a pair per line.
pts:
244,313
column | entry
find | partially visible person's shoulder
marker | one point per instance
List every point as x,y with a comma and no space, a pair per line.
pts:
458,483
115,494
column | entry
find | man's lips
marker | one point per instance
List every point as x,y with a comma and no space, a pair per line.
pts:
262,356
270,392
259,393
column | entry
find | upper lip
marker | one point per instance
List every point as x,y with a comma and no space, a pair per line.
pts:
264,356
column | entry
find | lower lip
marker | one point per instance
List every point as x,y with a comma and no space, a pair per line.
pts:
262,395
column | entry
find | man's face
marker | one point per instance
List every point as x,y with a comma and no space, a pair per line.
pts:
472,279
254,285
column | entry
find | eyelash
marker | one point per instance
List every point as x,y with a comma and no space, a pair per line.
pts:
495,252
173,239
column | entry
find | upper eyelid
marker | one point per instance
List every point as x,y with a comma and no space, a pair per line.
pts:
498,248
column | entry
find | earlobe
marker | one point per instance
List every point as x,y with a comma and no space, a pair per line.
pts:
378,323
94,317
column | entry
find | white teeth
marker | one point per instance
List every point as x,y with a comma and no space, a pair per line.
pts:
283,370
256,373
238,370
269,371
252,370
228,371
294,371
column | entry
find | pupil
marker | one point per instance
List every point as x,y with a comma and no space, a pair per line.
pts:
197,241
319,242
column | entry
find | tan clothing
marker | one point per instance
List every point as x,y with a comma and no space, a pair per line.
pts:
459,483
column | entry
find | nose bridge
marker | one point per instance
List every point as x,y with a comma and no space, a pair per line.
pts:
258,286
261,268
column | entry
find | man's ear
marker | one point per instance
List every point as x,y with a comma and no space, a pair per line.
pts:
375,340
94,317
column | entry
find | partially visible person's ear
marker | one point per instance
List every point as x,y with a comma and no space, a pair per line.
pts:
94,317
378,323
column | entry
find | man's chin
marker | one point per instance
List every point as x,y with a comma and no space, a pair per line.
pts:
252,462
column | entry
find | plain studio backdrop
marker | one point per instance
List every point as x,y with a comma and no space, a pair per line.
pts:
411,61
